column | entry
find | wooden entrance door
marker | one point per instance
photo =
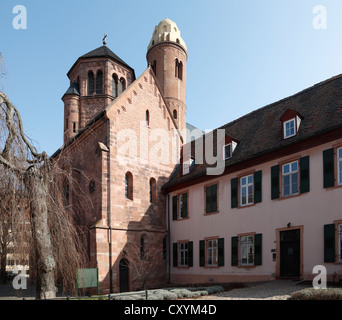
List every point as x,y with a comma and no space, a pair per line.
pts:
124,275
290,253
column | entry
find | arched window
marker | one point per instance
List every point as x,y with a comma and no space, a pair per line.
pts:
177,40
154,66
142,247
122,85
176,68
90,83
147,118
114,86
129,186
99,80
175,114
74,127
153,190
180,70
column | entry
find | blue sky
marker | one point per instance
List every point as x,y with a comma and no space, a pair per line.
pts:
242,54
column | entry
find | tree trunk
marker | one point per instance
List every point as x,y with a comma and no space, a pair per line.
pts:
36,185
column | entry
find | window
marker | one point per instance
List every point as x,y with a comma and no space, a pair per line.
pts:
290,178
289,128
66,193
180,206
154,66
147,118
129,186
99,80
142,248
74,127
211,246
90,83
178,69
187,166
114,86
339,166
152,190
247,250
295,178
227,151
246,190
175,114
291,121
211,199
122,85
183,254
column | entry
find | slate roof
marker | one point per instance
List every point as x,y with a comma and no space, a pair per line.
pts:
260,132
73,89
103,52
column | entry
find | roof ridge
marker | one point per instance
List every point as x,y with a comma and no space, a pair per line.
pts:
324,82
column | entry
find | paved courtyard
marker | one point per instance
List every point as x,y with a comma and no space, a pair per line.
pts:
273,290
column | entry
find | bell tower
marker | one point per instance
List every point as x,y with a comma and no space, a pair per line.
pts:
167,55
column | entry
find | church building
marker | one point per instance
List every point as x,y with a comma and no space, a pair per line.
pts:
273,211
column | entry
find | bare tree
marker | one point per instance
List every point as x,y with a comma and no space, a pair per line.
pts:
145,258
58,251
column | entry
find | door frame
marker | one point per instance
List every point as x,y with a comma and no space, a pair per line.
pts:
301,230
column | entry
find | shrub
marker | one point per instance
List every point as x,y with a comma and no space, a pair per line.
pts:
317,294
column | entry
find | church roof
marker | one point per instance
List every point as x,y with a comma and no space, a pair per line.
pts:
73,89
102,52
260,134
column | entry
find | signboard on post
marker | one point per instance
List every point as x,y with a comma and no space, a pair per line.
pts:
87,278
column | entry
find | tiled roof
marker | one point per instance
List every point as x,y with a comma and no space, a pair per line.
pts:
260,132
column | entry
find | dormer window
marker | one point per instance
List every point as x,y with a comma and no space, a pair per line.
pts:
187,165
289,128
291,121
228,148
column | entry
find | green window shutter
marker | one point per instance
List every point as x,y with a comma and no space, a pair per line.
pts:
275,182
174,208
214,198
328,168
329,242
221,252
208,199
258,249
257,186
201,253
234,192
190,254
235,257
185,205
304,164
175,254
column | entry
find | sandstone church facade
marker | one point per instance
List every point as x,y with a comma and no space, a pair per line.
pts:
274,210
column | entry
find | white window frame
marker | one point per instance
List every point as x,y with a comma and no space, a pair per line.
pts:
248,186
292,174
183,254
339,166
187,165
224,151
212,252
289,135
247,250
